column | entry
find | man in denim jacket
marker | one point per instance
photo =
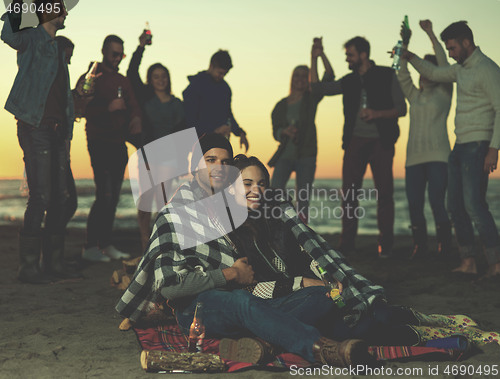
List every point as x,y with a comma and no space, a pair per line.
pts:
42,103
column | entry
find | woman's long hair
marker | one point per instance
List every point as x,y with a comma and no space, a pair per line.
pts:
149,78
299,67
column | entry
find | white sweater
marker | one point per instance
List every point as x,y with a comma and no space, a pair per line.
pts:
478,96
429,108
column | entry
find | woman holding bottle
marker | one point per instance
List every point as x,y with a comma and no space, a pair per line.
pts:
163,114
428,149
293,120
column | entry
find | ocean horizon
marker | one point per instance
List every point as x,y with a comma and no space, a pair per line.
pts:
325,207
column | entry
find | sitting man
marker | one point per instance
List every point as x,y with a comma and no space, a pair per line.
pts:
215,272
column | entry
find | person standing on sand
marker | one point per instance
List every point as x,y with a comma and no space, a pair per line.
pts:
207,100
475,154
113,115
42,102
373,102
428,149
293,120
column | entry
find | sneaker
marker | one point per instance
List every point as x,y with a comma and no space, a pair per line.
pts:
94,254
249,350
114,253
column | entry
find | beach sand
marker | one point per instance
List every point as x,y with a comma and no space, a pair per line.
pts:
71,329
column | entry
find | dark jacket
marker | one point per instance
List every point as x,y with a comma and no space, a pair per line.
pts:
207,104
378,84
172,122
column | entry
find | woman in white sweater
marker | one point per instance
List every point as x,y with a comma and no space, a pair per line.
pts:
428,149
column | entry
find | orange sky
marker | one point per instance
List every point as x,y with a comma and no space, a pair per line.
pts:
266,40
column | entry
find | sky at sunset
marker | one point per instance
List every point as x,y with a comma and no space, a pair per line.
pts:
266,40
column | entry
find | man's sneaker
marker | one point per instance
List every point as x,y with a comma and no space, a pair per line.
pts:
250,350
94,254
114,253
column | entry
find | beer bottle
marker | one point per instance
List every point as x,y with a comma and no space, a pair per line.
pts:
149,36
89,78
197,330
333,291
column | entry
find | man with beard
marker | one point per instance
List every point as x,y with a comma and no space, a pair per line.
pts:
373,101
42,103
112,114
475,154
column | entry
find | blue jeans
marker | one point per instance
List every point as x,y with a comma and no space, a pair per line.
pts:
435,174
468,183
108,163
296,321
46,163
286,322
305,169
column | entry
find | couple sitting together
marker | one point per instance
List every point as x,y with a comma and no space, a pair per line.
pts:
258,283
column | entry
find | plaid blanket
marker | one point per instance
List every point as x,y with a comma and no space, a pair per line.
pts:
166,261
170,338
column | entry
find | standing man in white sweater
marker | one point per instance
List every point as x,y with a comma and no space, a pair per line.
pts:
475,154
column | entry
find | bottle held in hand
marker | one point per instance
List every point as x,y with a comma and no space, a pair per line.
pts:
396,58
149,35
333,291
90,78
197,331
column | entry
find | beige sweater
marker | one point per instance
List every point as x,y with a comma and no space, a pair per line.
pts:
478,96
429,108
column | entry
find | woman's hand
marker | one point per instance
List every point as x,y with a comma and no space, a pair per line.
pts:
142,39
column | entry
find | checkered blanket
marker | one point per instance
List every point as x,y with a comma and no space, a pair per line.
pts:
165,262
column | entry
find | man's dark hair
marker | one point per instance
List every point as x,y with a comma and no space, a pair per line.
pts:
361,45
458,30
431,58
41,6
221,59
64,42
110,39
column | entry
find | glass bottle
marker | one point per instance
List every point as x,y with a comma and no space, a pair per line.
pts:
149,36
89,78
333,291
197,330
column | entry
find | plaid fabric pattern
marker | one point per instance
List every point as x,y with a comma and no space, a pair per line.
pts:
165,262
358,292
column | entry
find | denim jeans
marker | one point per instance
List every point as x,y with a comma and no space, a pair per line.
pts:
305,169
46,163
108,163
435,175
468,183
294,322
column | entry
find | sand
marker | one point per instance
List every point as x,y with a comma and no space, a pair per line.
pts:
70,329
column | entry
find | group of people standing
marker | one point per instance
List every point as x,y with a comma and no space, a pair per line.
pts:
120,109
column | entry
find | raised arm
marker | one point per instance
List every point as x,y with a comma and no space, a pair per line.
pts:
133,67
426,26
404,77
446,74
18,40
